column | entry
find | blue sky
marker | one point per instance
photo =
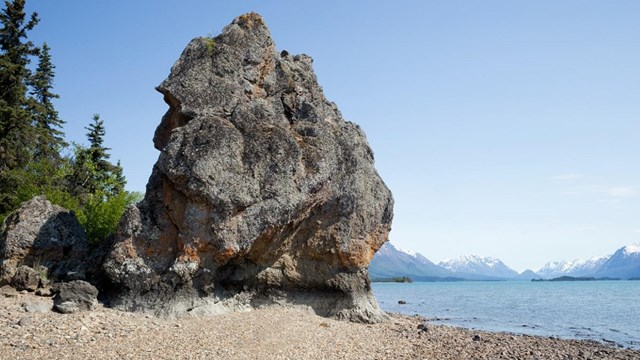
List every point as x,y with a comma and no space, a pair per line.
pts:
503,128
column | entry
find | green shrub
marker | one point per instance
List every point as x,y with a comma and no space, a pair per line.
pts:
210,43
101,214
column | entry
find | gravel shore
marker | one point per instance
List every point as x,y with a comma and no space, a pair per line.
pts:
29,330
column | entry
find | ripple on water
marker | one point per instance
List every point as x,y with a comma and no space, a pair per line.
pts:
594,310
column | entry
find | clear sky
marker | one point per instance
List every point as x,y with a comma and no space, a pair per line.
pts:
503,128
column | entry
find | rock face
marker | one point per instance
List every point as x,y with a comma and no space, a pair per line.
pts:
41,234
262,193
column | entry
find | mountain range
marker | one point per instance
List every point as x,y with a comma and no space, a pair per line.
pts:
576,268
390,262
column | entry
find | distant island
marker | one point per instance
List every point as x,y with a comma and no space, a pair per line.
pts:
576,278
397,279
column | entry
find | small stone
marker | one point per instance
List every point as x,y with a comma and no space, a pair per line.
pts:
36,307
8,291
476,338
25,321
402,302
46,292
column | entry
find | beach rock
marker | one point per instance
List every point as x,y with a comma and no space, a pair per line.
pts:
8,291
262,194
25,278
41,234
25,321
74,296
45,292
36,307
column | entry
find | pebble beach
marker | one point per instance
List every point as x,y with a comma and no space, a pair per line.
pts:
30,330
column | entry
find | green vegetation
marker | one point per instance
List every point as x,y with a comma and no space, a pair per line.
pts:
16,119
32,141
210,42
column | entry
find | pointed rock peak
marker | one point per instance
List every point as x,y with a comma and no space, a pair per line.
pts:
250,21
249,30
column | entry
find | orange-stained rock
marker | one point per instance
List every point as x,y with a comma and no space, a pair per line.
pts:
262,193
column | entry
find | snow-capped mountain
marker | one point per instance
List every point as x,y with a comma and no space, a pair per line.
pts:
423,260
623,264
406,251
391,262
476,266
575,268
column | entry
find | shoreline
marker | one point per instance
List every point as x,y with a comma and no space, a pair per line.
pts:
576,310
30,330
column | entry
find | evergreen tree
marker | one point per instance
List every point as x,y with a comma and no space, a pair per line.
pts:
31,139
96,140
16,132
49,139
92,173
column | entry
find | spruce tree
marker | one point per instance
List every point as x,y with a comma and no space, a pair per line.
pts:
96,140
109,177
92,174
49,137
16,132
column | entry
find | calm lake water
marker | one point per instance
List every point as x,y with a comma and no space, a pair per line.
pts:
595,310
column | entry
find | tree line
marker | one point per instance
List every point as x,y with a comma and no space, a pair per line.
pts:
35,158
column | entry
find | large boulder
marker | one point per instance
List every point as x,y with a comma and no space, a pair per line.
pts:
262,193
39,234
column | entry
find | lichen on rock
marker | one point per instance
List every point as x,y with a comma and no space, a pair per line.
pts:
41,235
262,194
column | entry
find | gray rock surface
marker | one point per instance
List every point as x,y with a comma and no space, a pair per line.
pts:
36,307
44,292
74,296
25,278
262,194
25,321
41,234
8,291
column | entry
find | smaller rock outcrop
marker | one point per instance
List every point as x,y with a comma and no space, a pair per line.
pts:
74,296
39,234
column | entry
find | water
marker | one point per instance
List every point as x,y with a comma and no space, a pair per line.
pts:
606,311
